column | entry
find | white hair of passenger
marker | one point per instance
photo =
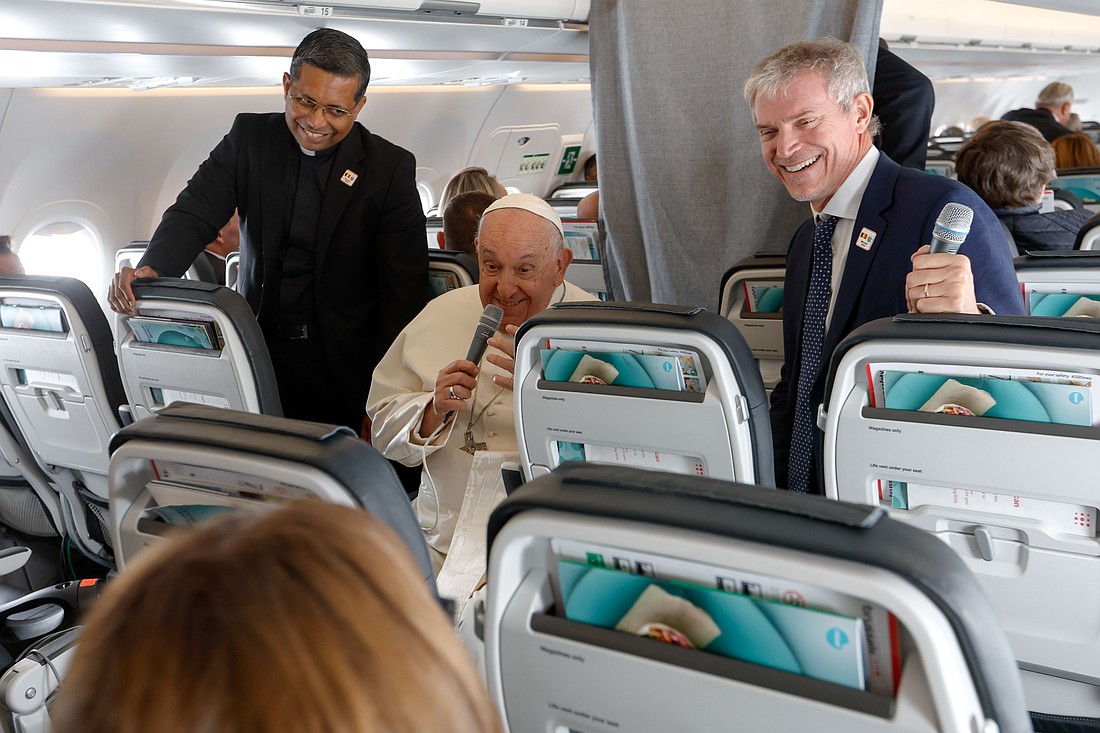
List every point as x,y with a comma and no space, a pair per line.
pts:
1055,94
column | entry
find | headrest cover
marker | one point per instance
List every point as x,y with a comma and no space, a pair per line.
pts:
530,203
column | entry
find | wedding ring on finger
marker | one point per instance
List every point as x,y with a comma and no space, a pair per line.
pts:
451,393
926,290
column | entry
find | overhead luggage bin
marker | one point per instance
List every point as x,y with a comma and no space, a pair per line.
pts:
591,567
564,10
658,386
985,431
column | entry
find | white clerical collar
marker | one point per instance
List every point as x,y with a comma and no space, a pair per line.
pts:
844,204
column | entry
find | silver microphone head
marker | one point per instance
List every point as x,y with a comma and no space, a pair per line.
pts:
491,317
953,224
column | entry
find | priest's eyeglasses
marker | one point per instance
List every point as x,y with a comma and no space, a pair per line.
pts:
333,114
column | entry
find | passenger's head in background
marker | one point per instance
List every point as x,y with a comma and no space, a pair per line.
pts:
311,618
324,88
473,178
10,264
521,256
460,219
590,170
1075,151
228,239
1008,164
1075,122
589,207
813,110
1058,98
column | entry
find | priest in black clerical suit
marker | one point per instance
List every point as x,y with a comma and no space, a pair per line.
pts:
333,246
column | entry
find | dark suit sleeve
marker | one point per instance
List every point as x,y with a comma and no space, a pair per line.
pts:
401,257
201,209
904,99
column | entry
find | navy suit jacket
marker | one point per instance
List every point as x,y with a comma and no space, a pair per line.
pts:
900,206
371,257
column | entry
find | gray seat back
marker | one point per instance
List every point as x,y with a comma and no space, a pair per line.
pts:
1008,486
579,556
680,391
190,461
194,342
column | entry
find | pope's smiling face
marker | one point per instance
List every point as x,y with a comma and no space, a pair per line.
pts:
521,263
320,107
809,142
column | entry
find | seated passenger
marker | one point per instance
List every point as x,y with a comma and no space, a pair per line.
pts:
589,207
227,241
460,219
311,618
590,168
473,178
10,264
1051,113
1075,151
430,406
1009,164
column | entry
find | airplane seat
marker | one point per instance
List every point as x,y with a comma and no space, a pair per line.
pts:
1066,200
778,612
194,342
1060,282
941,167
1013,249
62,393
130,255
450,270
573,190
188,462
1089,235
983,431
661,386
583,238
751,298
30,509
1082,182
232,269
434,225
566,207
39,633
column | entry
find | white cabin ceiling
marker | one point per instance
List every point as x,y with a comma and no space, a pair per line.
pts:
47,43
246,43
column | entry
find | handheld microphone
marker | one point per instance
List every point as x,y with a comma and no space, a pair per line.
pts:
952,226
487,325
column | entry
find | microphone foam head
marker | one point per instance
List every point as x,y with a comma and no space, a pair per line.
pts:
492,316
953,223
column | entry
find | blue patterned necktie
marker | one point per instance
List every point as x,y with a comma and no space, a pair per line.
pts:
813,336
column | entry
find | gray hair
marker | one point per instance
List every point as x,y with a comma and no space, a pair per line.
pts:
335,52
1055,94
839,62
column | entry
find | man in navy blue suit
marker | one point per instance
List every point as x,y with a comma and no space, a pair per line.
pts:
814,113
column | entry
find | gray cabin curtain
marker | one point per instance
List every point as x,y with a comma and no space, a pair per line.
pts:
684,191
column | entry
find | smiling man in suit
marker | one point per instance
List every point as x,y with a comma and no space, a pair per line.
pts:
334,259
860,257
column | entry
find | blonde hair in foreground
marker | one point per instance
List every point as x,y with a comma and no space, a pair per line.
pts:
311,618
